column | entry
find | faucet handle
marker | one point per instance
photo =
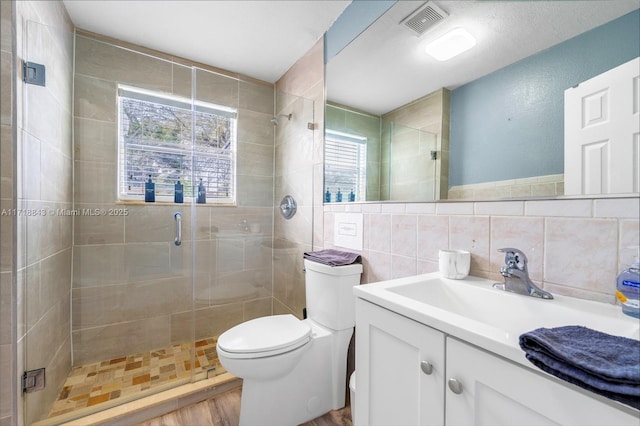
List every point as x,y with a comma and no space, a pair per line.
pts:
514,258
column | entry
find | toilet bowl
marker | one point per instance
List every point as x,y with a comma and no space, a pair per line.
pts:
271,354
294,370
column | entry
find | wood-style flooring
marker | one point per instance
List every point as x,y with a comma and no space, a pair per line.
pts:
224,410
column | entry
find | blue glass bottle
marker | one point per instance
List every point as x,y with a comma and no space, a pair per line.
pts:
339,196
178,193
202,193
150,191
352,196
327,196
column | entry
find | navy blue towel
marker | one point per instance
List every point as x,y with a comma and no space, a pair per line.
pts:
605,364
333,257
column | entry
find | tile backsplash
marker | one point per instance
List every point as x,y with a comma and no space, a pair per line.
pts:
575,247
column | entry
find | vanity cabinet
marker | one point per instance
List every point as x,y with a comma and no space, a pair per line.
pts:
399,369
465,385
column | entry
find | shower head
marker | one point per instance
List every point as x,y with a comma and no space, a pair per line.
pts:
274,120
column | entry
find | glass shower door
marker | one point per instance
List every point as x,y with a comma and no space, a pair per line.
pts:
409,163
107,293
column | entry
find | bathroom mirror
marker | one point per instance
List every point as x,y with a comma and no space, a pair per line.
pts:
517,134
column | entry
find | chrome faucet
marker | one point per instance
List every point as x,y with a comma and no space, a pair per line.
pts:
516,275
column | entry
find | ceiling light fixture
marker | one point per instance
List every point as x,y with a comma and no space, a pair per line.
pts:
451,44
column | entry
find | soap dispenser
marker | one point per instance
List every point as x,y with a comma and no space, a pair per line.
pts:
202,193
628,289
149,191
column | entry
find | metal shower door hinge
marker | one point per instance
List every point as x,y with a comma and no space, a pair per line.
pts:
33,73
33,380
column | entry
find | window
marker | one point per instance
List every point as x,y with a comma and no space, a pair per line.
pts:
345,165
171,138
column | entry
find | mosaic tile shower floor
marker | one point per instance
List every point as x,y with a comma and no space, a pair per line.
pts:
92,384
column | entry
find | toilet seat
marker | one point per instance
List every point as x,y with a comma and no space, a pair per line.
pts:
266,336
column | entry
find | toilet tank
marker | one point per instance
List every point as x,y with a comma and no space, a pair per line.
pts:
329,293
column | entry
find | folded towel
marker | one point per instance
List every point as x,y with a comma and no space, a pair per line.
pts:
333,257
605,364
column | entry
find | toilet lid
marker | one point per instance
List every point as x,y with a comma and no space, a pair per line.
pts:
272,335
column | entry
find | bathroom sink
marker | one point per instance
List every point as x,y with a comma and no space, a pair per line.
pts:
472,310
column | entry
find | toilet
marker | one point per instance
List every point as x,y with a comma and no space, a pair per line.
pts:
295,370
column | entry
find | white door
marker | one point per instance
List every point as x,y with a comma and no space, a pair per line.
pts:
602,142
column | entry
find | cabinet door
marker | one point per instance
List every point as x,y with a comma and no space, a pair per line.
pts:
399,369
498,392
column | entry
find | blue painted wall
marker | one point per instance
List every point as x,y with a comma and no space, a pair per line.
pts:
510,124
354,19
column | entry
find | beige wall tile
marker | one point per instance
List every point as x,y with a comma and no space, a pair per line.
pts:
581,253
93,265
629,238
257,308
216,88
255,128
101,306
94,98
95,140
471,233
433,236
209,322
108,62
90,228
5,84
402,266
380,233
121,339
404,231
256,97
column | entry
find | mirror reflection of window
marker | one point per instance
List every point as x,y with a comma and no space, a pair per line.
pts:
345,170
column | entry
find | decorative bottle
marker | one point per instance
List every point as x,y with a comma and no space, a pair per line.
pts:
339,196
202,193
352,196
327,196
178,193
150,191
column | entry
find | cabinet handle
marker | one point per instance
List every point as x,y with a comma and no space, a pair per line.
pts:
455,386
426,367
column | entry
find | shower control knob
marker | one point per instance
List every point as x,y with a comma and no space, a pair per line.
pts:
426,367
455,386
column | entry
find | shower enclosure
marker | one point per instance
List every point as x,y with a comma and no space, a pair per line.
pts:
111,304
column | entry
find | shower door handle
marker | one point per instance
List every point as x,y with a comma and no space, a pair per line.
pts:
178,218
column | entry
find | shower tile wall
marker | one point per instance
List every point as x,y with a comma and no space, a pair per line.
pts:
44,34
574,247
132,285
299,172
7,201
429,113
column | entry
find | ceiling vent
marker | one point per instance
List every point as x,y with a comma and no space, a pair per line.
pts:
425,17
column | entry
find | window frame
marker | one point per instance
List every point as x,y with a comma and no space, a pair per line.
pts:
194,106
335,138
